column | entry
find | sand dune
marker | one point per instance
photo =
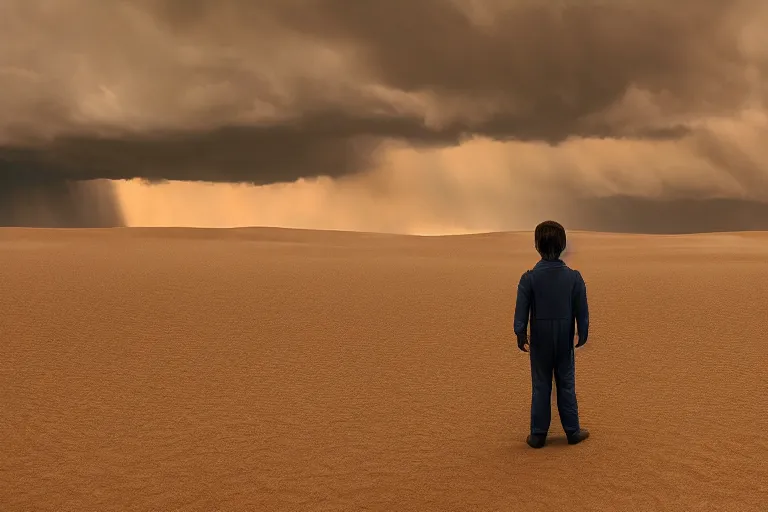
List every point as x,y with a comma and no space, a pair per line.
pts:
269,370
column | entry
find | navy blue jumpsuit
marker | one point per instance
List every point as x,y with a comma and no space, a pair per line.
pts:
555,296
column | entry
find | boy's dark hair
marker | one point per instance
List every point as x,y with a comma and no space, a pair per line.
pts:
550,239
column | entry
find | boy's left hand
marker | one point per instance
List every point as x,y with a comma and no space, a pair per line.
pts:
522,342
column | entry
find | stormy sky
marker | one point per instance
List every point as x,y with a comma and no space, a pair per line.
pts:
397,115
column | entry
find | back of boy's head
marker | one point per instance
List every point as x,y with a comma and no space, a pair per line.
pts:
550,239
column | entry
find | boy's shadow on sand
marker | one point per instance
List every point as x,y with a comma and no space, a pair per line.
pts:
554,441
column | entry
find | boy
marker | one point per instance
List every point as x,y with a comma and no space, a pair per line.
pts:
555,296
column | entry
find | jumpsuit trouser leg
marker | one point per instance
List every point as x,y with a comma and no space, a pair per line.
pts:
565,380
542,367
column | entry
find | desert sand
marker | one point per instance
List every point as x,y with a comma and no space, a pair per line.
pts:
269,370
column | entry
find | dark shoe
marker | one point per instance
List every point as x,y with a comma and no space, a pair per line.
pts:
536,440
577,437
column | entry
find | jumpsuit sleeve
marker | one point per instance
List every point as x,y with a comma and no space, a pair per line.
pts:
523,305
581,308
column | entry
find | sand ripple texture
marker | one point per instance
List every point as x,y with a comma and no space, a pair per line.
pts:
276,370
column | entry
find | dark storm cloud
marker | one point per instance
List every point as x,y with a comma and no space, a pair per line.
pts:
550,64
334,145
510,70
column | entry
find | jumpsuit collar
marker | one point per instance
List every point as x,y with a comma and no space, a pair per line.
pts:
549,264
